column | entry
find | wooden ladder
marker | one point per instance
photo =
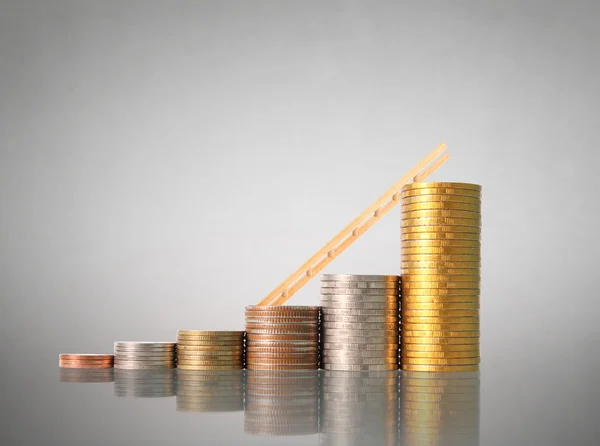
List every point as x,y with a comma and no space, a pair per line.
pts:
357,227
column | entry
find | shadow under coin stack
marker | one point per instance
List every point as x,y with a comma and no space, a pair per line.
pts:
210,391
281,403
359,408
145,355
210,350
359,322
157,383
85,361
282,338
440,260
439,408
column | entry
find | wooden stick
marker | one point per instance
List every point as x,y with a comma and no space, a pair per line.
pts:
419,178
350,233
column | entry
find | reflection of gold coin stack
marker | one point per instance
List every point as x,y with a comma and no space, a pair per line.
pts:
281,403
441,258
359,408
439,409
210,391
80,375
210,350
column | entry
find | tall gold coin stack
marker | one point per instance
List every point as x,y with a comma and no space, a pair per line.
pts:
282,403
210,390
440,260
210,350
282,338
439,408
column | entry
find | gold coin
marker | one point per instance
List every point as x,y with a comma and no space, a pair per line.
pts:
458,327
441,243
451,355
440,258
439,213
439,304
441,184
475,264
440,191
441,361
208,367
443,205
210,348
210,363
441,198
473,221
419,278
467,272
209,343
438,320
436,340
439,284
407,313
406,236
414,292
448,250
440,368
438,333
440,348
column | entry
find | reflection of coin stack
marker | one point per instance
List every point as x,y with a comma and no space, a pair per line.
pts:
97,375
439,409
359,408
281,403
210,391
360,322
145,355
282,338
441,228
210,350
145,383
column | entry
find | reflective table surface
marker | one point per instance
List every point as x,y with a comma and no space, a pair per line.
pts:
117,407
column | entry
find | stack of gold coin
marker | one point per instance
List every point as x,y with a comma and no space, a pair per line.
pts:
85,361
210,390
440,260
281,403
439,408
282,338
210,350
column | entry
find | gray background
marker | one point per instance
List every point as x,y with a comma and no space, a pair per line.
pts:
164,164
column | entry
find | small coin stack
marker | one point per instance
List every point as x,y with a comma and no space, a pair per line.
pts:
147,383
281,403
210,390
359,408
85,361
210,350
94,375
440,408
359,322
440,259
145,355
282,338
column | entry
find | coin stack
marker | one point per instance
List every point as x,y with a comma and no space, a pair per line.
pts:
440,408
95,375
359,408
210,390
359,322
145,355
210,350
281,403
147,383
85,361
441,258
282,338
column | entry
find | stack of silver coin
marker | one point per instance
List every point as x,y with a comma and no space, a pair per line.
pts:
157,383
359,408
282,403
145,355
360,323
210,390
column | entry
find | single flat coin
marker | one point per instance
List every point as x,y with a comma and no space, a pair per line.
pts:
438,320
437,340
440,184
473,221
441,361
358,278
360,285
444,205
441,198
461,354
440,213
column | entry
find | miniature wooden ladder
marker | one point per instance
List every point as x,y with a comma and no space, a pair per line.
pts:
354,230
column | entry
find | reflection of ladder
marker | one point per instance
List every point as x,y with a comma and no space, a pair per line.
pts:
354,230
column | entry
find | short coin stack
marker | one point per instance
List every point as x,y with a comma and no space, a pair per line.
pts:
282,337
359,322
210,350
440,260
210,391
85,361
145,355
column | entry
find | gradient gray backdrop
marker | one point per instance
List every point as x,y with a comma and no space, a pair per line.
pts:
164,164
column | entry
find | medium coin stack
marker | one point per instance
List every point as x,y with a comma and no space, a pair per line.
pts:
281,403
95,375
440,260
210,390
359,322
147,383
282,338
210,350
440,408
359,408
145,355
85,361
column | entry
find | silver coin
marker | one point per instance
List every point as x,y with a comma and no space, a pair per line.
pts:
360,325
361,319
367,332
353,367
358,347
363,305
331,353
353,312
358,277
353,284
361,291
347,339
358,361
